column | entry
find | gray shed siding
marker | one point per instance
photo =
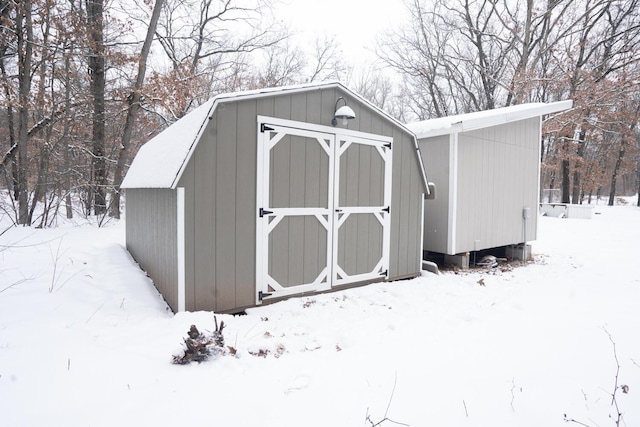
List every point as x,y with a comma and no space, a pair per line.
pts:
151,237
436,212
220,195
497,176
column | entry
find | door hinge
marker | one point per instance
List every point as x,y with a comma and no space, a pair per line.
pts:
264,128
262,295
387,209
384,273
262,212
388,145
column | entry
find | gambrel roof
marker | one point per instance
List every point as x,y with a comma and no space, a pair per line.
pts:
160,162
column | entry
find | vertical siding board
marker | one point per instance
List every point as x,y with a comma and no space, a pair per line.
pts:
364,174
246,209
408,162
370,195
435,152
314,156
464,171
323,198
349,175
187,181
279,252
412,213
376,178
282,106
417,200
279,177
486,194
366,119
363,231
314,113
503,181
201,196
299,107
313,175
374,242
327,107
296,176
225,214
296,249
279,181
512,166
151,237
266,106
402,212
310,261
396,201
297,171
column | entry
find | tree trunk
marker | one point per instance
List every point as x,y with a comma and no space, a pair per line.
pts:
638,203
65,134
24,30
95,10
9,161
616,171
133,107
577,173
566,188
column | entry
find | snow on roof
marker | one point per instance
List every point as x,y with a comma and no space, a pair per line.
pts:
483,119
161,161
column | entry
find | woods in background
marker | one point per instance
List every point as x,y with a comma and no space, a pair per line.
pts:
460,56
83,83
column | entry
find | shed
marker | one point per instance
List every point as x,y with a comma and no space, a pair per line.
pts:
255,196
486,166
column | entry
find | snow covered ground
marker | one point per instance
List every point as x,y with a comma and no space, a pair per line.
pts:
86,340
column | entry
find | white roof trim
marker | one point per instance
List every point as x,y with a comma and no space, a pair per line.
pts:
483,119
160,162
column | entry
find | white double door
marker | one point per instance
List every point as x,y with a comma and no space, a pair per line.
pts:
323,197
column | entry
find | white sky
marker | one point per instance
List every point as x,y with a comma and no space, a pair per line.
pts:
355,23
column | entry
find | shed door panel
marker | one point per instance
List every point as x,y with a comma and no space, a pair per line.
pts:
362,209
323,201
295,182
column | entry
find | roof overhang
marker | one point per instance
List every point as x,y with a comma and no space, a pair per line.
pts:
484,119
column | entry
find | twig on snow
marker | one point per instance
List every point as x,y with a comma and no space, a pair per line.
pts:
623,387
571,420
386,418
17,283
616,387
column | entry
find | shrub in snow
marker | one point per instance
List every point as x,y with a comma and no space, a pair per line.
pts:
198,346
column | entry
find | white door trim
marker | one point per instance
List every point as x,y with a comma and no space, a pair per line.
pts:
269,134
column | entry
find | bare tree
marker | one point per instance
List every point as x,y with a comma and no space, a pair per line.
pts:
203,40
327,62
97,70
133,107
25,43
468,55
596,65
